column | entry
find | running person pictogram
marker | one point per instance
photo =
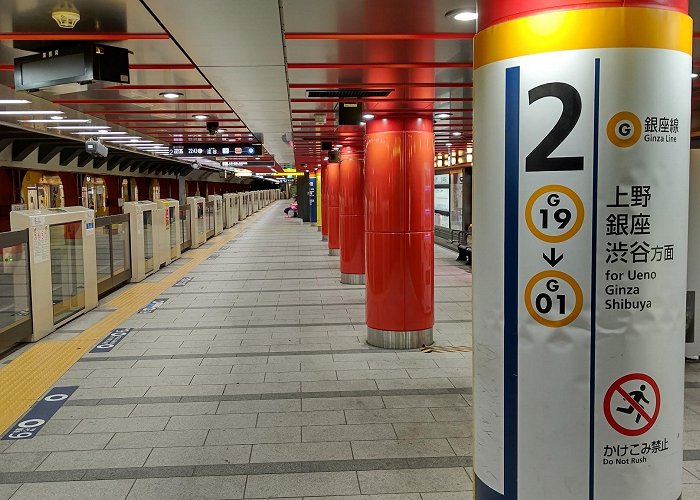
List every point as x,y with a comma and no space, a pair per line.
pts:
638,396
632,404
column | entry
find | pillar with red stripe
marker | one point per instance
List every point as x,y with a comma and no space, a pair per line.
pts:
352,216
333,213
569,98
399,168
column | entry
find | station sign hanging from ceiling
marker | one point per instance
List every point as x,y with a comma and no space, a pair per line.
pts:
187,150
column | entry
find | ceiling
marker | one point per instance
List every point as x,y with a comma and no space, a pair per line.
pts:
249,64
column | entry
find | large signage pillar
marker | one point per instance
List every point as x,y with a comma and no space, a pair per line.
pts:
582,125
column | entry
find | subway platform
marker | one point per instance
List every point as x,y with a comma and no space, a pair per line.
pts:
253,380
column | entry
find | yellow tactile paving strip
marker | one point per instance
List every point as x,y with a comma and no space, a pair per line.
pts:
24,380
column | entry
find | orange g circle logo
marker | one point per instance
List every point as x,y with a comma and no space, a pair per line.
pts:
624,129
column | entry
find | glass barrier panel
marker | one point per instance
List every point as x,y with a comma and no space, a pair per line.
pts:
185,227
148,239
15,290
201,224
104,257
121,250
67,273
210,216
173,232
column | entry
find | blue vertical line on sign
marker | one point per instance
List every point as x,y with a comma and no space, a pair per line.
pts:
510,284
594,253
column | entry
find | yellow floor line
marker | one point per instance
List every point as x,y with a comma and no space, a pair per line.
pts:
24,380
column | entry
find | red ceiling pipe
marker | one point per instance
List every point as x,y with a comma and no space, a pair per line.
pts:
399,161
332,181
366,85
93,37
156,112
379,36
159,67
379,65
138,101
352,216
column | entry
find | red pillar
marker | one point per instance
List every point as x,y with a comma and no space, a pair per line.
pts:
333,187
324,203
352,216
399,159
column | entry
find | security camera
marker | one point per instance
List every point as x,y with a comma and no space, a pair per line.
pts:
96,148
212,127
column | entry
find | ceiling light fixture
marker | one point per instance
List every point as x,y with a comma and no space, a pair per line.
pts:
66,15
463,15
200,117
443,116
368,116
171,95
457,134
448,144
693,75
60,117
14,101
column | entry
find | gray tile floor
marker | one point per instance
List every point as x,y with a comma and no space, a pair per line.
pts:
254,381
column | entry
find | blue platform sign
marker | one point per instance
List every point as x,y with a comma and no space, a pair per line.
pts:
37,416
312,199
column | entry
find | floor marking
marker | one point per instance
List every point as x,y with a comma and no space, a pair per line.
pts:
22,383
447,348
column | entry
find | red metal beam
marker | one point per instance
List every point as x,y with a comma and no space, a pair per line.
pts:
156,112
167,120
385,99
379,36
392,110
138,101
362,85
161,67
177,127
423,65
67,35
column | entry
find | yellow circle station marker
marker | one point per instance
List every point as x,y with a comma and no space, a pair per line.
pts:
578,222
624,129
556,275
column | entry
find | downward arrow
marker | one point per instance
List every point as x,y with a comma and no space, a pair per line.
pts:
552,258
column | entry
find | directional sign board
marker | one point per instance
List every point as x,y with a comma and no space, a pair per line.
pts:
581,236
188,150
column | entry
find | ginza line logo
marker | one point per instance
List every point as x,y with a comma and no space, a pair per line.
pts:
624,129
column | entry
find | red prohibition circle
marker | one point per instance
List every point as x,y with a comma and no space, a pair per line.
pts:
617,386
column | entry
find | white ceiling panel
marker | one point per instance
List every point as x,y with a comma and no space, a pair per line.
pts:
260,83
224,32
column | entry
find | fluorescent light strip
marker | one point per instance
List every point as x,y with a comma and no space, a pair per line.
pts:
68,120
14,101
86,127
100,132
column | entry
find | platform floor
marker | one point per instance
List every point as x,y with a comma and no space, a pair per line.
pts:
254,381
